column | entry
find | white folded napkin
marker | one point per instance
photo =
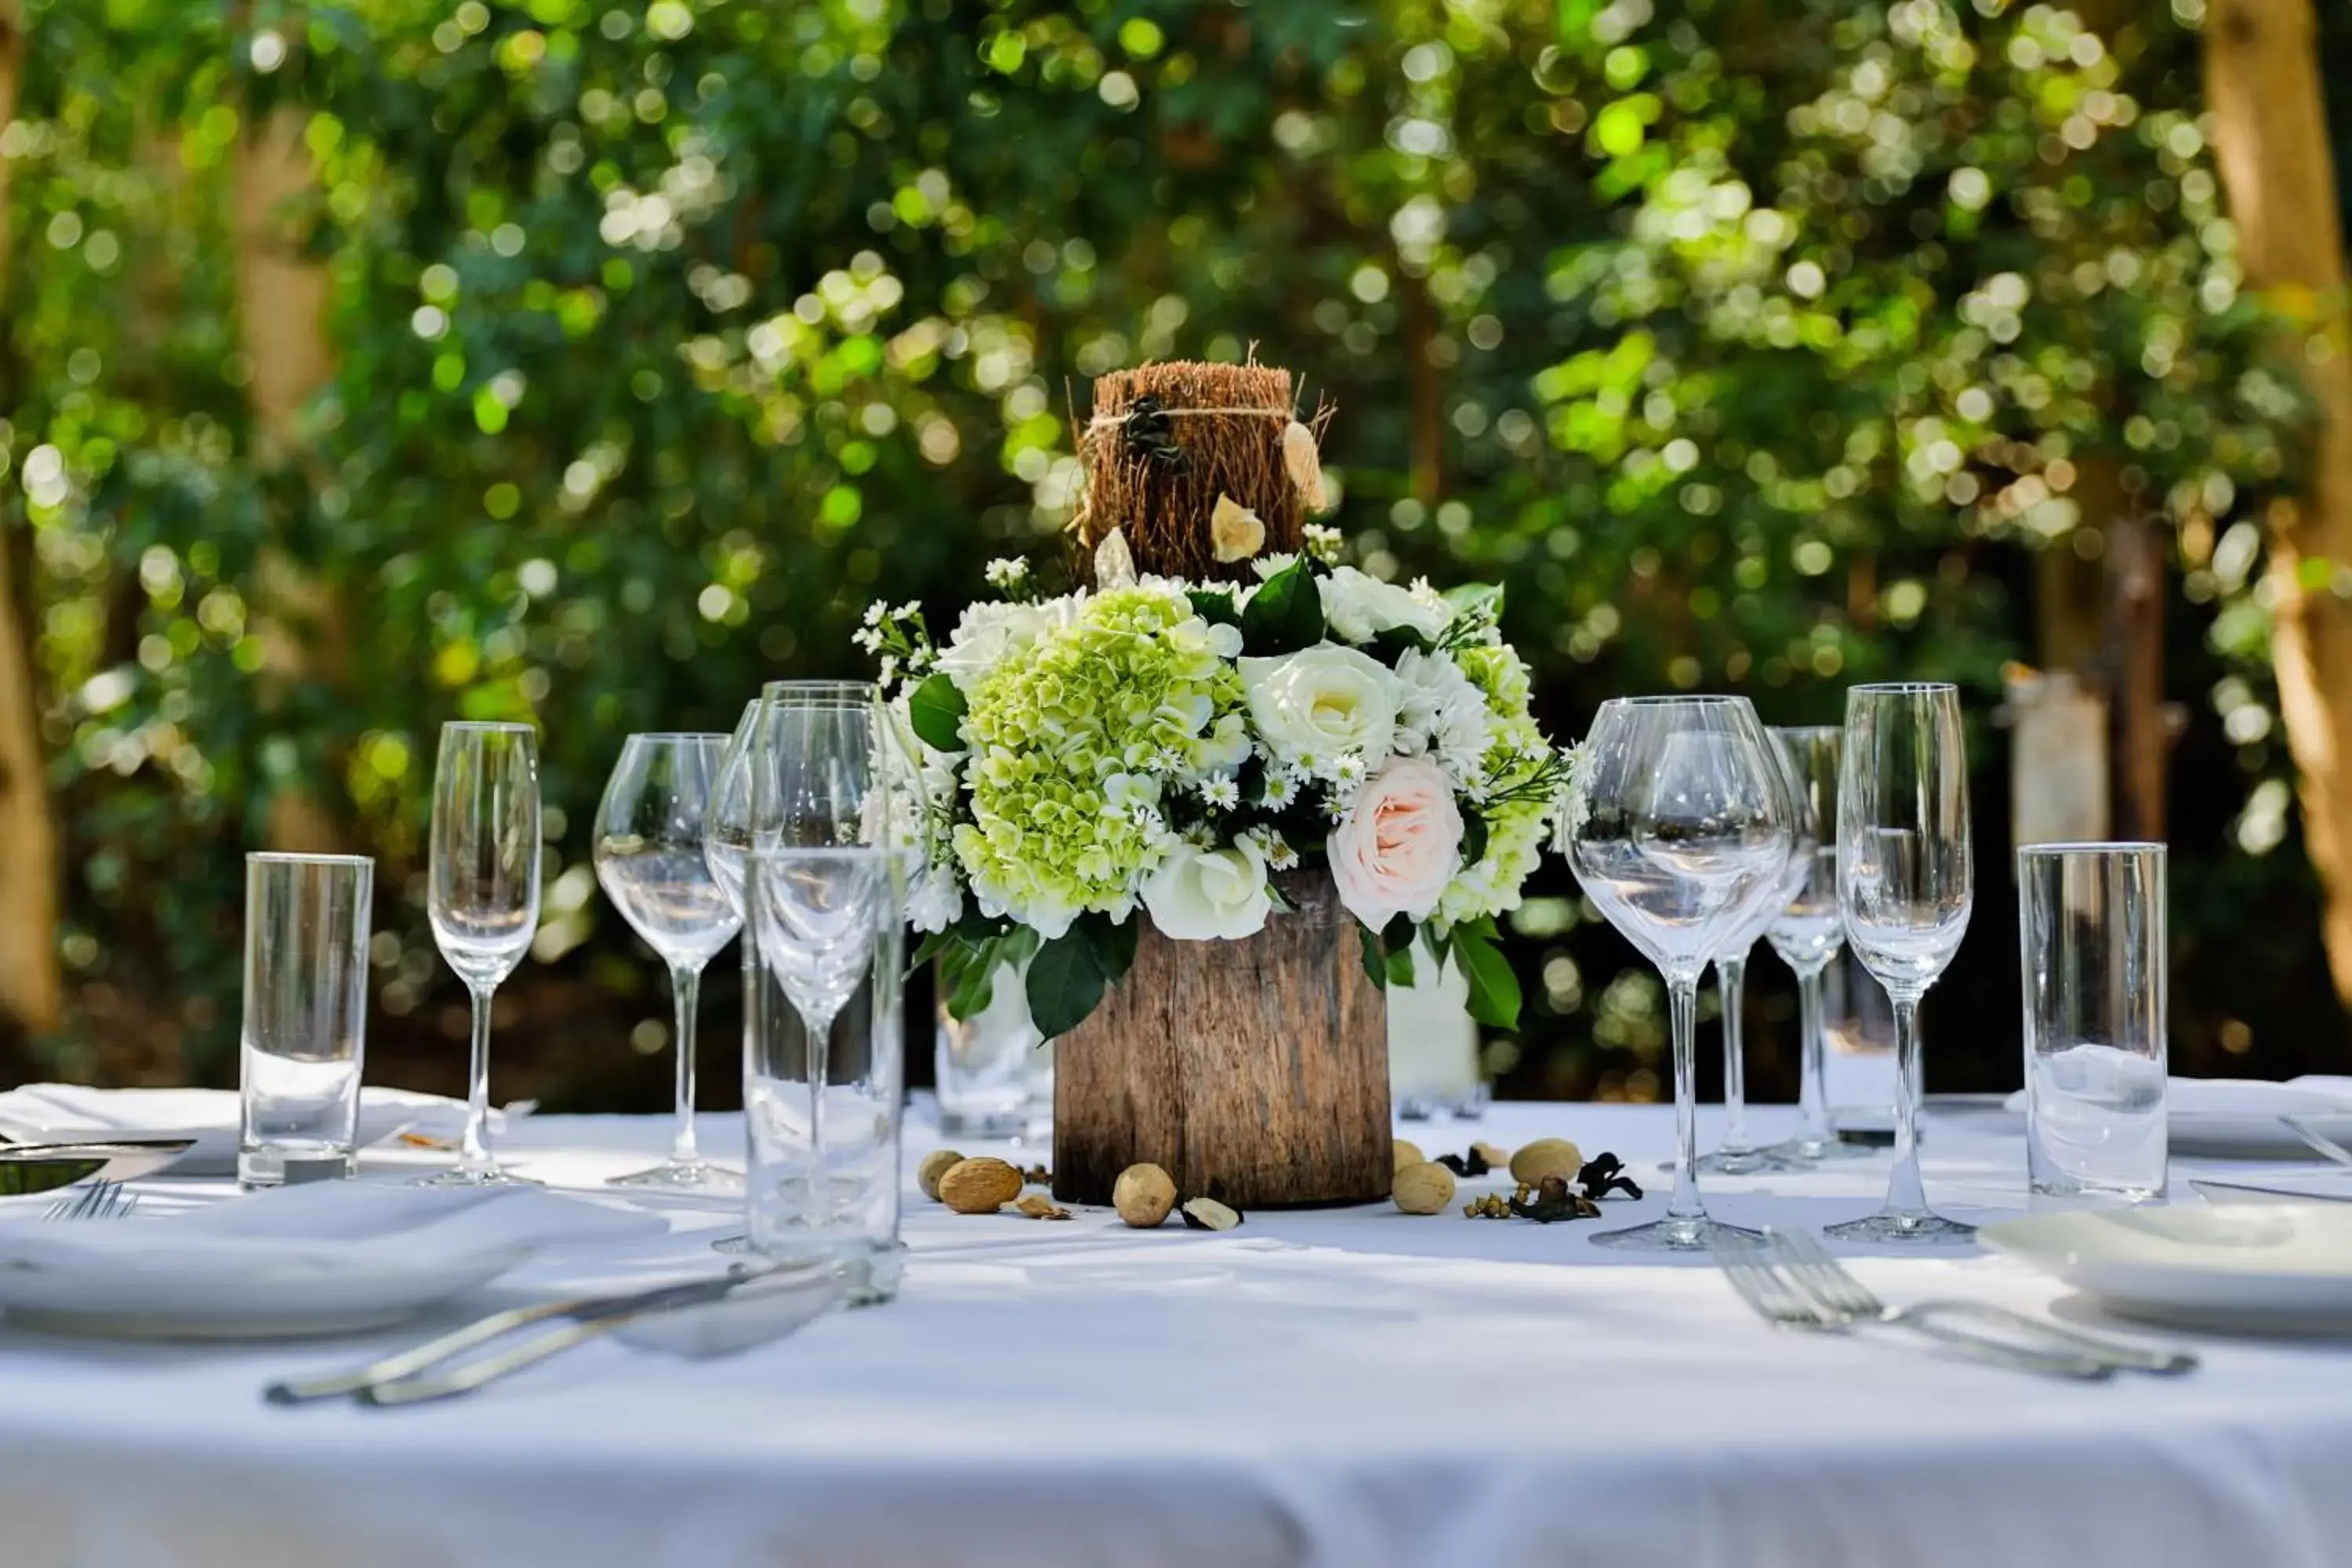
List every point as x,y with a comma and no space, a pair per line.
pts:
325,1225
2315,1095
67,1112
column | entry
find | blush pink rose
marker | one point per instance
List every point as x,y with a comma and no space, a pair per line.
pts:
1399,844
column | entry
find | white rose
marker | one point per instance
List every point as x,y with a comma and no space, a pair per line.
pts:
1357,607
1205,895
1322,702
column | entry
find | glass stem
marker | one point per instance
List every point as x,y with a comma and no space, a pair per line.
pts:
1731,982
1683,1006
1812,1089
685,989
473,1151
1905,1193
820,1062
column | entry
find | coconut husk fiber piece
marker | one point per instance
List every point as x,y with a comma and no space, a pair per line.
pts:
1157,474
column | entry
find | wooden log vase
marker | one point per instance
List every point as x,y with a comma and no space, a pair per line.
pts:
1255,1072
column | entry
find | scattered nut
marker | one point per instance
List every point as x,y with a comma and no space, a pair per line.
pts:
1407,1154
979,1186
1487,1206
1496,1157
935,1164
1425,1188
1547,1157
1038,1205
1038,1175
1143,1195
1208,1213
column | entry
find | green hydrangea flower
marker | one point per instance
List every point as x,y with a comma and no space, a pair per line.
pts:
1074,742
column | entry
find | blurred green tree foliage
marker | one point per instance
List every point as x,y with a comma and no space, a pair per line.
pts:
1755,342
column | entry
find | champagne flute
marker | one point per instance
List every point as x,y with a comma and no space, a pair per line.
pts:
1904,887
1807,933
649,860
482,894
1678,822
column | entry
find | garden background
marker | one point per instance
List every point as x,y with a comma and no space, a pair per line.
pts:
365,365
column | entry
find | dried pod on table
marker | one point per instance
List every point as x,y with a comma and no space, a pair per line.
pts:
1471,1165
1547,1157
1425,1188
1038,1205
1407,1154
1605,1173
1497,1158
979,1186
1143,1195
1037,1176
935,1164
1208,1213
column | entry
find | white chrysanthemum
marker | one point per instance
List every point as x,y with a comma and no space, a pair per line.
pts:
1441,713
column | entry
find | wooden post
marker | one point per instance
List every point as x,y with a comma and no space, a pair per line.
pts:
31,990
2143,743
1255,1072
2269,133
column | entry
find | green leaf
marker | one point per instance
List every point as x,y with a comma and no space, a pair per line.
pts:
975,983
933,946
1066,983
937,711
1374,965
1286,616
1400,964
1215,605
1470,595
1493,986
1473,838
1114,943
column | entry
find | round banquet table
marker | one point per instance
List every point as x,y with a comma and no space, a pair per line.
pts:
1352,1388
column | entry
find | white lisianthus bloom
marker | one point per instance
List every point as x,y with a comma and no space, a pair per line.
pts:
936,901
1322,702
1358,608
1440,712
1207,895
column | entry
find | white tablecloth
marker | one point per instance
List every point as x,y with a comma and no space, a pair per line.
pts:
1354,1389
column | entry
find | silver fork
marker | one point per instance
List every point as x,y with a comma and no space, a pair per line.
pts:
1753,1269
1835,1286
99,1200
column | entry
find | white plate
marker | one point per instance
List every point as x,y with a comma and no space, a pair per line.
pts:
2238,1119
70,1113
2240,1268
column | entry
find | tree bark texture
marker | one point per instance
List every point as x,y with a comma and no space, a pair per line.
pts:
2262,88
31,990
282,315
1255,1072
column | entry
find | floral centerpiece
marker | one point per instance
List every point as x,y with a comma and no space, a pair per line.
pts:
1202,752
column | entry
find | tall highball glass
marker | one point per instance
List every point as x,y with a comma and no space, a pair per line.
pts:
649,859
2091,940
1906,886
1807,932
303,1043
1679,820
482,894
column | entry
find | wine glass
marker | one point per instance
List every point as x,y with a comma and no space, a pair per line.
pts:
726,832
1678,820
1904,885
1736,1155
1807,933
649,860
482,893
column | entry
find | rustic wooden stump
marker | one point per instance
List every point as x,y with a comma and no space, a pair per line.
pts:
1255,1072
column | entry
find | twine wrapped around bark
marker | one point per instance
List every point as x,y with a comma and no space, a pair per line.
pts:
1166,440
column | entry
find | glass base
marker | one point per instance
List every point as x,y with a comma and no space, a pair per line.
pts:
734,1245
1901,1228
1812,1151
684,1176
459,1176
967,1124
1746,1162
869,1277
1678,1235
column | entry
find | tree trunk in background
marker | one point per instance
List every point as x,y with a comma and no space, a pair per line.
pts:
30,988
282,311
2262,86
